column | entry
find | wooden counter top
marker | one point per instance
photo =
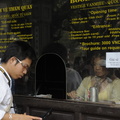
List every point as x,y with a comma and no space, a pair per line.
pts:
67,109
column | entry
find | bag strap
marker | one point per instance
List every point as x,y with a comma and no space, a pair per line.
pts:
5,75
11,99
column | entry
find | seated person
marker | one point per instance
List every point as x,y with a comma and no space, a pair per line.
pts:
104,80
73,79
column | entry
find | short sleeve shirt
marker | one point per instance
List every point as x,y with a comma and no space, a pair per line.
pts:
110,92
5,94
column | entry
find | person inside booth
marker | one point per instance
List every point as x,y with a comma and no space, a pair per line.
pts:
104,79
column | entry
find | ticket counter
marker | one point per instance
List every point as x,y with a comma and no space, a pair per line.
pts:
66,109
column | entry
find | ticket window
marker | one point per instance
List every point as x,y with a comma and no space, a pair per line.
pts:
51,76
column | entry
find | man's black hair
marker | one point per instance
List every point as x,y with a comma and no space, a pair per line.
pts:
19,49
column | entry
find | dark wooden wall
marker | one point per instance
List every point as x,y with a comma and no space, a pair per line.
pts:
42,17
67,110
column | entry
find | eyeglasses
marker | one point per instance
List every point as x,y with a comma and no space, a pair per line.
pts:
23,65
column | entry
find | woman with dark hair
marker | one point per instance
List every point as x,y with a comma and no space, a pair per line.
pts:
104,79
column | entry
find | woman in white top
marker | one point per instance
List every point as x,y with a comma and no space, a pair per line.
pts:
104,79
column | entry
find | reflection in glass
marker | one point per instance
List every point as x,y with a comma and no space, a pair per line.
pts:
104,79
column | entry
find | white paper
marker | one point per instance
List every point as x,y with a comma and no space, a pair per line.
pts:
112,59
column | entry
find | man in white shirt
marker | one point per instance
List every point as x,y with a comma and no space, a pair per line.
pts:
15,63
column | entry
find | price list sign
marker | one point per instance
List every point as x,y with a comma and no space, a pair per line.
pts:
95,24
15,23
